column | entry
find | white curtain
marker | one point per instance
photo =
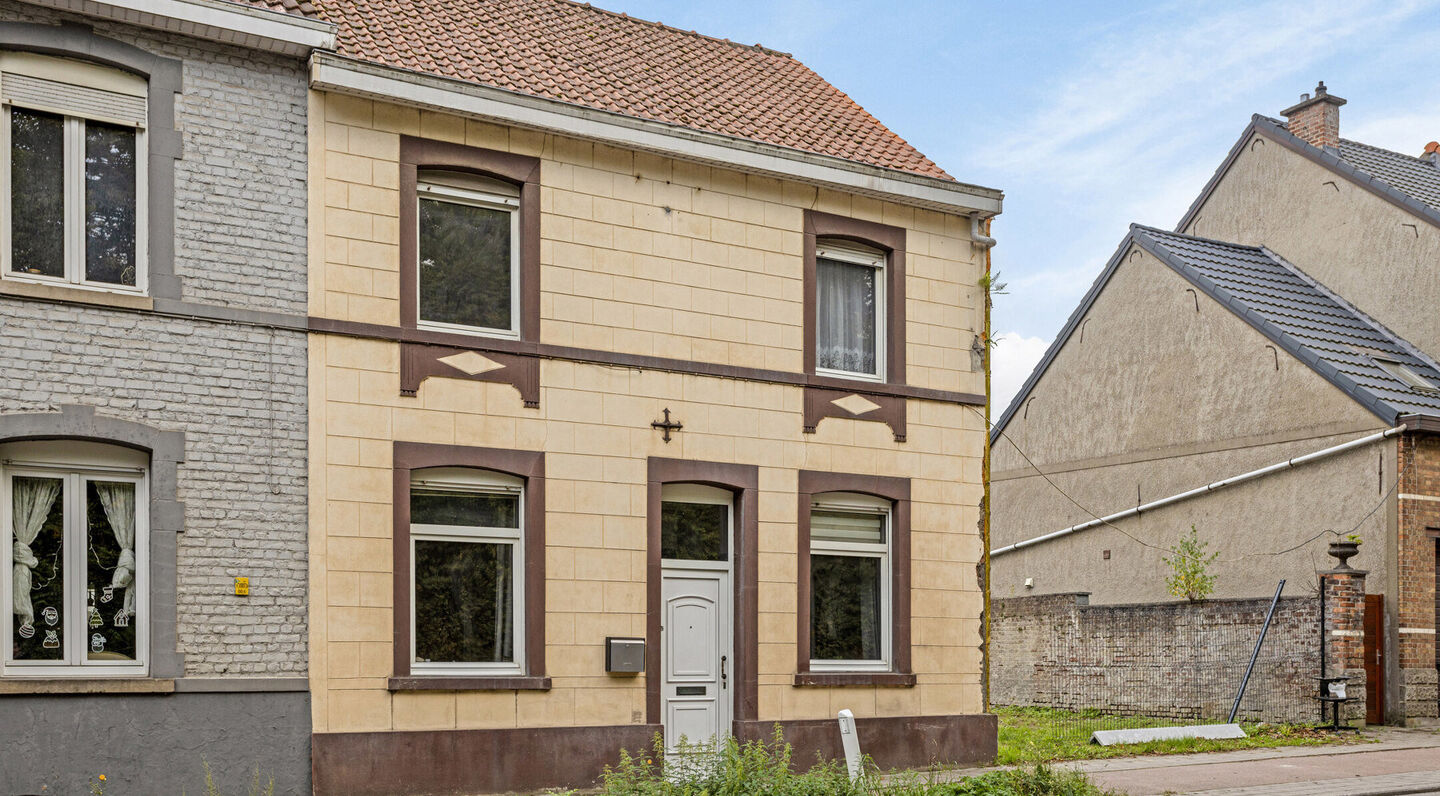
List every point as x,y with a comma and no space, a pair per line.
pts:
118,500
845,317
32,501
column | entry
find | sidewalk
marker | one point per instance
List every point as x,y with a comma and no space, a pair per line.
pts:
1403,762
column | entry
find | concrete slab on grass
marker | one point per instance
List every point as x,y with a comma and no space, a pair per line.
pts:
1145,734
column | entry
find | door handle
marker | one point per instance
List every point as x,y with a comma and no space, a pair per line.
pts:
723,676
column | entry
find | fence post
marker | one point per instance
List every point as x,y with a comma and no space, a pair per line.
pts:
1260,642
1344,632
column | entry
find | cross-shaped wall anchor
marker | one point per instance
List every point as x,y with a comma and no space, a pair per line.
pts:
667,426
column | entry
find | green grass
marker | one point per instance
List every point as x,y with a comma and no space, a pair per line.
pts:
1039,735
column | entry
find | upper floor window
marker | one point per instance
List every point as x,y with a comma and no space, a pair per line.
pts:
850,574
74,566
469,253
467,572
74,189
849,310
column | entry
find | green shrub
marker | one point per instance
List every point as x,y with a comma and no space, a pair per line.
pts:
766,768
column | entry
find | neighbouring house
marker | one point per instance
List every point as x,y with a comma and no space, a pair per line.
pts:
153,394
1286,325
642,401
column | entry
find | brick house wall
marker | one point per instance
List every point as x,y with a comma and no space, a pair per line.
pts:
224,364
1419,527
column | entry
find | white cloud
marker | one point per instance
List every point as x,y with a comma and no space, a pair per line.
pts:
1406,133
1011,362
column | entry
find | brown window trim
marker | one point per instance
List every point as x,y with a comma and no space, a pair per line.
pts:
889,239
529,465
897,491
744,481
521,170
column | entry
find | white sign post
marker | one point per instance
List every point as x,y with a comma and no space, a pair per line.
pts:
851,743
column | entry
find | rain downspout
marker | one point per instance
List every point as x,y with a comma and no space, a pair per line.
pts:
979,238
1231,481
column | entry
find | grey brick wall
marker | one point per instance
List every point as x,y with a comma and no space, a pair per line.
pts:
1164,660
240,207
237,391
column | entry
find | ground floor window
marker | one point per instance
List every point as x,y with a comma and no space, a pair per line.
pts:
467,572
74,574
850,616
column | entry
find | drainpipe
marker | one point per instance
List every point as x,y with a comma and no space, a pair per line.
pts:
985,240
1221,484
980,238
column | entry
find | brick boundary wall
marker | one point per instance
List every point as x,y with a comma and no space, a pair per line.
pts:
1167,660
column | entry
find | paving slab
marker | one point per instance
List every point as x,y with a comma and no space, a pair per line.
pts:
1343,768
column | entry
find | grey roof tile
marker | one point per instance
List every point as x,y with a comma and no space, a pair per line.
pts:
1308,320
1303,317
1417,178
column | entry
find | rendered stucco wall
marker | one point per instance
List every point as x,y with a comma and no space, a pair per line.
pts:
1158,399
1378,256
155,743
648,256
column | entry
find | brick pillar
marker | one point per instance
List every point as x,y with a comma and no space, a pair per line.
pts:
1419,516
1344,591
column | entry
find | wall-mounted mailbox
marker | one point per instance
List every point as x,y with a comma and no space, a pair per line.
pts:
624,655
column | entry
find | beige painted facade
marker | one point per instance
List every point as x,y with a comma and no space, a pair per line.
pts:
639,255
1380,257
1187,398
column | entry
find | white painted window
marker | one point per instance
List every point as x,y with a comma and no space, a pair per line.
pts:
74,568
850,312
468,244
73,190
850,612
467,572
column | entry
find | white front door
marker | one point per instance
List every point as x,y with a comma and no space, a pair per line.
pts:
696,655
696,648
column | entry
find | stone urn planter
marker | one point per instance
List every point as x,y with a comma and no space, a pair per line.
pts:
1344,551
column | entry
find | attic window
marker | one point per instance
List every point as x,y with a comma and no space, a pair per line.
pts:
1405,374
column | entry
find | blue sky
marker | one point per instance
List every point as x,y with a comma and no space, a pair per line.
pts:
1091,115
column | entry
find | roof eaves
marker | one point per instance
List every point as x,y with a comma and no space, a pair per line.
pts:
363,77
242,24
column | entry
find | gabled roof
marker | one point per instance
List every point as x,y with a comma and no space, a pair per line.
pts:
1407,182
598,59
1301,316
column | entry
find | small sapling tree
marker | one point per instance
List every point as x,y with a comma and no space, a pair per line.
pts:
1190,568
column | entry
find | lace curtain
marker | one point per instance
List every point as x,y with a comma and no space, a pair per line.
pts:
845,316
118,501
33,499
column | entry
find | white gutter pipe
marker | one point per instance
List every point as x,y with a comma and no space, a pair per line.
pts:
1231,481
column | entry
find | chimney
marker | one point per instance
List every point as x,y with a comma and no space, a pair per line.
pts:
1316,120
1432,154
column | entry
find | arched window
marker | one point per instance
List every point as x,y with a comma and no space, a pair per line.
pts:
74,571
467,578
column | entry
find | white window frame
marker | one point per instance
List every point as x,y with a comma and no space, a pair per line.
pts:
710,495
476,191
75,463
474,481
855,503
855,254
74,209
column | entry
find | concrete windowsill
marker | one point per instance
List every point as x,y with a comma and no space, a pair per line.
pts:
28,686
892,679
103,298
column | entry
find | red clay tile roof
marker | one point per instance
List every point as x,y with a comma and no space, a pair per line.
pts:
583,55
302,8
